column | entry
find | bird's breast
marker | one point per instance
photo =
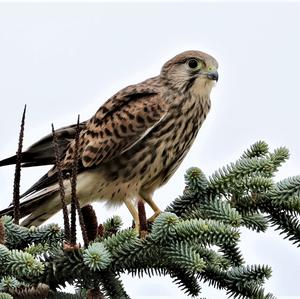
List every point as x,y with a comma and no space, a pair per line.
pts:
152,161
171,141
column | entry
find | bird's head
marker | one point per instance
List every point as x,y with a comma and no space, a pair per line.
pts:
192,71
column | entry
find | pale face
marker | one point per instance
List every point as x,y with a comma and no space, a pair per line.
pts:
202,86
191,70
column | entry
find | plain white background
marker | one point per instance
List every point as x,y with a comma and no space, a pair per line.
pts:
67,59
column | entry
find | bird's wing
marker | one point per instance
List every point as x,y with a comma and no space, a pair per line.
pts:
117,126
42,152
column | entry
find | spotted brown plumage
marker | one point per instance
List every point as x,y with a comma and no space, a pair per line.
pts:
131,146
109,134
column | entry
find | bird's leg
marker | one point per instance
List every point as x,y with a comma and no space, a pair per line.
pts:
142,217
148,199
134,213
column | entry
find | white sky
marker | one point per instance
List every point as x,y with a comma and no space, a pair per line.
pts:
65,59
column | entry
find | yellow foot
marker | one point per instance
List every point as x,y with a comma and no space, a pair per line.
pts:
136,227
153,217
143,234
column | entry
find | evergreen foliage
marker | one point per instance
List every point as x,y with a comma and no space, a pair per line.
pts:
195,240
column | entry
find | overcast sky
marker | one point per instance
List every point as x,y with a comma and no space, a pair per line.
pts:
67,59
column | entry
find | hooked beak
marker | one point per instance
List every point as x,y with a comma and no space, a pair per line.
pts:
213,75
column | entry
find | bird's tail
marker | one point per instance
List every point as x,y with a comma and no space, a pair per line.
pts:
37,207
42,152
8,161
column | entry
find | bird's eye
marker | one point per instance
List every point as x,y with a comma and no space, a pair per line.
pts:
193,64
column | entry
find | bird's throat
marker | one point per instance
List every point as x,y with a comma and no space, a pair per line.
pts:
202,87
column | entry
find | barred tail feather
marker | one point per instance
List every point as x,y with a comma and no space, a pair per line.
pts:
38,206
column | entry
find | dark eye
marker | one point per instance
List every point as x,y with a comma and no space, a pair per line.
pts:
193,63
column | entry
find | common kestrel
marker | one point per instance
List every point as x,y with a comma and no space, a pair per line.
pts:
131,146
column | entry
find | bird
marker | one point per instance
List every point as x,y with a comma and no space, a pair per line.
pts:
130,147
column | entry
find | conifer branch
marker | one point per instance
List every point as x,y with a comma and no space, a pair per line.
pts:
195,240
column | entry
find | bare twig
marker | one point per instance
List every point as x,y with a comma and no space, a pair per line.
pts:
16,194
74,185
2,232
61,186
82,224
74,200
142,217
